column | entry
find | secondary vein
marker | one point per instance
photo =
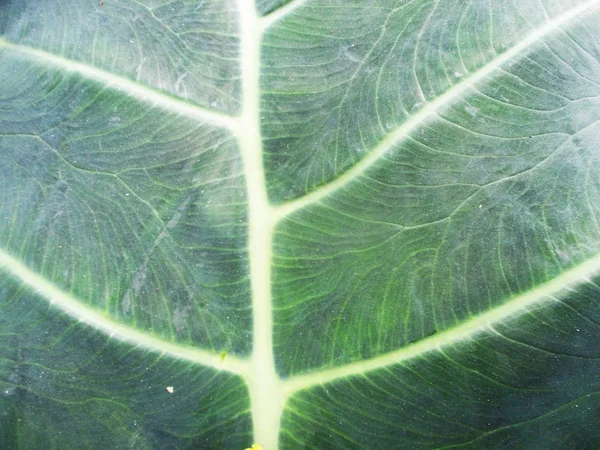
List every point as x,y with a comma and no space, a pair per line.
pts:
131,88
429,111
545,293
74,308
279,13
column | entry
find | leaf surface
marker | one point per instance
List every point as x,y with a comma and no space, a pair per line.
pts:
299,224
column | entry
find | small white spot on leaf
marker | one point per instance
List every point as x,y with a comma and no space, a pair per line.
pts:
472,110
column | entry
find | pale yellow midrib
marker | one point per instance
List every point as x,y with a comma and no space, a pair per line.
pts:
429,111
131,88
74,308
266,396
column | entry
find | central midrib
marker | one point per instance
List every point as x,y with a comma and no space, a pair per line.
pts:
266,395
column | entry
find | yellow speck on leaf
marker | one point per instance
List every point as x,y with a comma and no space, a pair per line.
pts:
254,447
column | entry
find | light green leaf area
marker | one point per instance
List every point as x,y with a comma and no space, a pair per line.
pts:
299,224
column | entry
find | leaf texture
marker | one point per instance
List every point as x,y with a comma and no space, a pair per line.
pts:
299,224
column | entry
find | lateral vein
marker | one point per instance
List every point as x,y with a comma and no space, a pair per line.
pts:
452,95
545,293
74,308
131,88
269,19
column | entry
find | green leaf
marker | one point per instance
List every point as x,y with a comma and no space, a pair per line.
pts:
299,224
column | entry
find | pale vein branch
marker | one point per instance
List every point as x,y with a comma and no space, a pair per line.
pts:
280,13
75,309
131,88
520,304
429,111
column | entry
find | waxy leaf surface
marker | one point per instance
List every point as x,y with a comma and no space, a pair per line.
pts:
299,224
